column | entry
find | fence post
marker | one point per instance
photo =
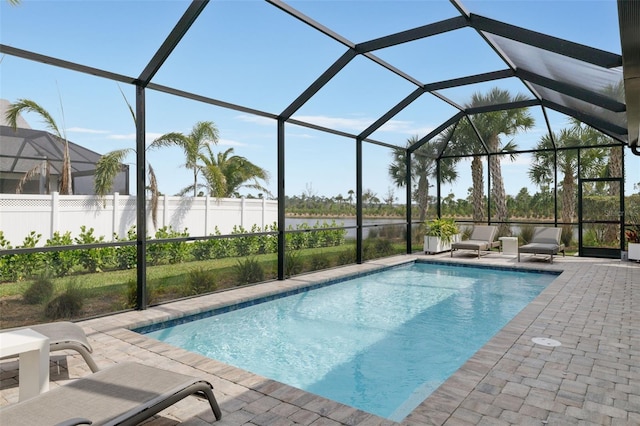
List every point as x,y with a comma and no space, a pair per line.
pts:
55,213
206,215
165,210
115,223
242,208
264,214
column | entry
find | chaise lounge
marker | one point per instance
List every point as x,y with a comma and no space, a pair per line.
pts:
545,241
124,394
65,335
482,238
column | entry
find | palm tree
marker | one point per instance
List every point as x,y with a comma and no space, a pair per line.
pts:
203,133
491,126
110,164
423,167
26,105
541,171
464,141
369,197
226,173
351,193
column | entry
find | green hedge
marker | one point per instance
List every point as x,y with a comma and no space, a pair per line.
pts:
18,267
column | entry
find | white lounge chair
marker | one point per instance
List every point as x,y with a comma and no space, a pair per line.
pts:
482,238
125,394
545,240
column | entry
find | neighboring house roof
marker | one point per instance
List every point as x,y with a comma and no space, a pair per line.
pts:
22,149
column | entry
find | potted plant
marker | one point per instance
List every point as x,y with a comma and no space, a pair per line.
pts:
439,235
632,234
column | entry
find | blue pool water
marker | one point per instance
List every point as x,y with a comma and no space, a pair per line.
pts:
381,342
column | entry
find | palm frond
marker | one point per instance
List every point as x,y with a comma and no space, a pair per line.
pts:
184,191
27,105
205,131
133,114
30,174
155,195
168,139
107,168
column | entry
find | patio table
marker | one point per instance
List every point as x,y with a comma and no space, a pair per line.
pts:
509,245
33,350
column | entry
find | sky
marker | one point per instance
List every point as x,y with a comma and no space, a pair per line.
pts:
249,53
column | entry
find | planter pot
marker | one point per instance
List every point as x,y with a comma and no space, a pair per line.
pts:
634,251
433,245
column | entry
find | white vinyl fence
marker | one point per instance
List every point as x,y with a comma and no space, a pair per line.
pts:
116,214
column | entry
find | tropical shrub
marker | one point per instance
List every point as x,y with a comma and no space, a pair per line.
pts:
126,257
203,249
314,238
248,271
200,281
224,247
526,233
8,267
374,248
179,251
265,243
91,259
27,264
60,262
567,235
347,257
131,293
297,240
319,261
39,291
244,246
66,305
293,263
173,252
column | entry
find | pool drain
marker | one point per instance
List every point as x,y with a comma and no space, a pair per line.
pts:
544,341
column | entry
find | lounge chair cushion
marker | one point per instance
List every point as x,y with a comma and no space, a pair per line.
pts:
124,394
471,245
545,240
539,248
484,233
482,238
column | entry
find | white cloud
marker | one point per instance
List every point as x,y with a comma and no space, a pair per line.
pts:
127,137
300,135
256,119
356,125
405,128
83,130
229,142
132,137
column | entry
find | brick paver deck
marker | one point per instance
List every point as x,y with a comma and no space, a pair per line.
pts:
593,378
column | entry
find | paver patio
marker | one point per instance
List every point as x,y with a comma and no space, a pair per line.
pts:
592,309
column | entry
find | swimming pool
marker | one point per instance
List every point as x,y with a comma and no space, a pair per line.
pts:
381,342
